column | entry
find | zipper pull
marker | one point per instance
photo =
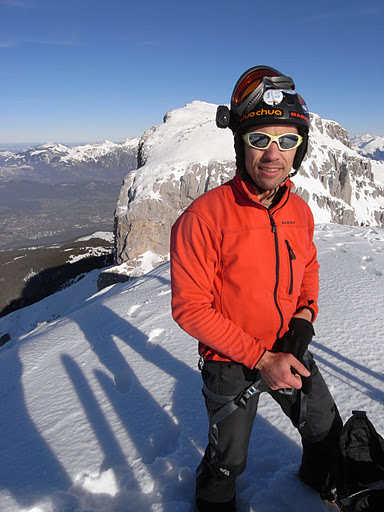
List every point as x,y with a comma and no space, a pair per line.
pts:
272,220
290,250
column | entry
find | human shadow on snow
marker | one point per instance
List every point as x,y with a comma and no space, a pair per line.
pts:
29,468
154,431
168,439
375,393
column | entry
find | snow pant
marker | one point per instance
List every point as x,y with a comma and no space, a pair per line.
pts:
226,454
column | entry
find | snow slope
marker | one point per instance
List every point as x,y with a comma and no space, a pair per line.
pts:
369,145
101,407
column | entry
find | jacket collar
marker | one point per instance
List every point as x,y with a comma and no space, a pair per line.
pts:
246,189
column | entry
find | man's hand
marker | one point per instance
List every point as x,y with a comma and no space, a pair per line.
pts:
305,314
275,368
296,341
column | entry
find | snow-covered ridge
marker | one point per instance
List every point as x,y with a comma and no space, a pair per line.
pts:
57,163
81,152
97,150
369,145
339,184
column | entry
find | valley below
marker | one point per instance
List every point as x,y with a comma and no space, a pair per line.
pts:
43,237
35,214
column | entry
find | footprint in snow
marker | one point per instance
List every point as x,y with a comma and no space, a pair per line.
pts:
123,380
156,336
340,247
164,292
373,271
369,267
162,442
134,311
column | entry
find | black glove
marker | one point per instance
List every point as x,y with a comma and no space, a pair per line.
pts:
295,341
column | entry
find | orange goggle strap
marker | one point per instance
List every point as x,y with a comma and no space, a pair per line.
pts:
253,83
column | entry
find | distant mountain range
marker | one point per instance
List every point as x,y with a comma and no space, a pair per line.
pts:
56,163
368,145
52,192
105,161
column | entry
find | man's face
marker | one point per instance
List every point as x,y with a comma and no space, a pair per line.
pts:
268,168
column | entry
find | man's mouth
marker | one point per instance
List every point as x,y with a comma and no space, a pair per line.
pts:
270,169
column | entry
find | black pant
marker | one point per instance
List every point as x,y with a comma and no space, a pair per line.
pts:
226,454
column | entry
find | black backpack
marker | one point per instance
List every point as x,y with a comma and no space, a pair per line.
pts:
360,473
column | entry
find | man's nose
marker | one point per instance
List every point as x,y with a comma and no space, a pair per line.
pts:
273,152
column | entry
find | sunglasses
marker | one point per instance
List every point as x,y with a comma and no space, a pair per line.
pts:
253,83
261,140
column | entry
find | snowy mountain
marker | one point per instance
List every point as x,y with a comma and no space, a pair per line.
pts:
188,155
56,163
370,146
53,193
101,408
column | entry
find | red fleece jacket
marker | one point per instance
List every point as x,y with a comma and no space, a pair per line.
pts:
240,271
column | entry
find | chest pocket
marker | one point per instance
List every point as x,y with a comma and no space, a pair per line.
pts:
294,246
292,258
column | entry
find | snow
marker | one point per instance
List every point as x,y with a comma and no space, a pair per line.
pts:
93,151
103,235
188,136
146,262
368,144
90,152
89,252
378,170
100,393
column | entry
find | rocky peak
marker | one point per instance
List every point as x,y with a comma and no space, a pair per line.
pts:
331,129
188,155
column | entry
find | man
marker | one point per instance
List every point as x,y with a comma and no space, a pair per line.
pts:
245,284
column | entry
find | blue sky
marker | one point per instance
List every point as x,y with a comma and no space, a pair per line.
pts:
88,70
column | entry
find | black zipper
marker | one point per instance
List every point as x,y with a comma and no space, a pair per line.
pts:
273,224
292,257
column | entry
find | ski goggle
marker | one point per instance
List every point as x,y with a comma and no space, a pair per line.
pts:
253,83
261,140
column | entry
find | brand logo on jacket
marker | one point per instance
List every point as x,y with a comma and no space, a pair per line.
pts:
288,222
225,471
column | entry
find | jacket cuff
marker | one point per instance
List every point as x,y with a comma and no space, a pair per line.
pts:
313,313
261,356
